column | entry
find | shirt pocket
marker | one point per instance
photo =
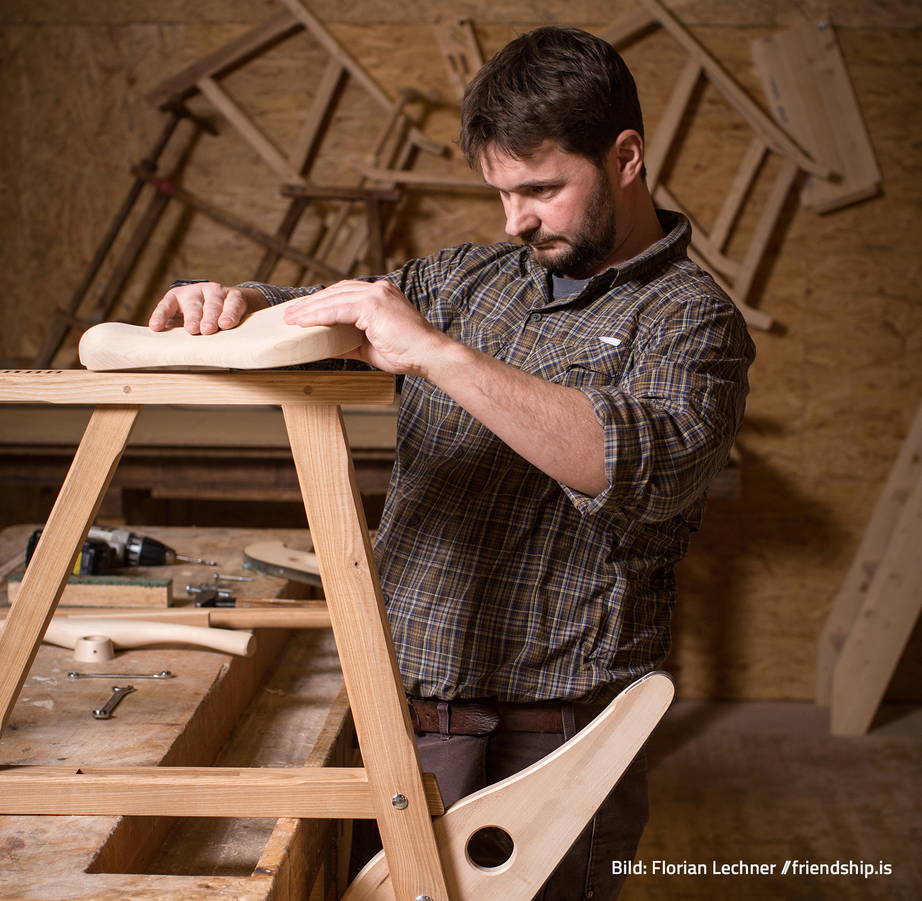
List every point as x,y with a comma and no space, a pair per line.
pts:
590,362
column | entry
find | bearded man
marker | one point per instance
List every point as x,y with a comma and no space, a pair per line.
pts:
566,401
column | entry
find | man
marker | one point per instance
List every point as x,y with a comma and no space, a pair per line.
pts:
566,403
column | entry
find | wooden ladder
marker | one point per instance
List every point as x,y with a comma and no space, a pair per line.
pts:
422,860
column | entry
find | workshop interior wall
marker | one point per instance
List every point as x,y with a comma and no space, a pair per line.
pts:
836,382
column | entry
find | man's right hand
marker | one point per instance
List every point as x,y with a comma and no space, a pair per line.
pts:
204,307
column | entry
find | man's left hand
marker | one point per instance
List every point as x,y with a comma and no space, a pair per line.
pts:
397,338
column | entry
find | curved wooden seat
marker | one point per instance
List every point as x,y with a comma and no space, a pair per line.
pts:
543,808
262,341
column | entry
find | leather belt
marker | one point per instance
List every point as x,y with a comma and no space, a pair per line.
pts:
485,716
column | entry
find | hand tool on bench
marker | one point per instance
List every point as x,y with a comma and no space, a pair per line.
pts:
118,692
163,674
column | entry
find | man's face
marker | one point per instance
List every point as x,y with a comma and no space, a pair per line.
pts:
560,204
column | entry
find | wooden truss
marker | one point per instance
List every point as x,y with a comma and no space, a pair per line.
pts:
334,250
735,276
422,858
879,602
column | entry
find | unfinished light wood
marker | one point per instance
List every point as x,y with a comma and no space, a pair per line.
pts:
759,121
543,808
232,54
426,180
64,532
628,27
667,128
369,664
458,44
307,615
736,196
106,591
904,474
263,340
882,627
323,793
275,553
141,633
247,129
810,93
765,227
241,226
65,386
323,37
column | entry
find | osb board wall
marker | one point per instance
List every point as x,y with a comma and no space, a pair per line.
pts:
835,384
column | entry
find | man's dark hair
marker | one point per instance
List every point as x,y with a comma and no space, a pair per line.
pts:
558,83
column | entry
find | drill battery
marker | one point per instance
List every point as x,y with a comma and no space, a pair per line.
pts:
94,558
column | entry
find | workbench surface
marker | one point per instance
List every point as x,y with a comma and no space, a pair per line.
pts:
282,707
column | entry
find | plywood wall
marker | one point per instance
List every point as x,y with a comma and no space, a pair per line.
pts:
835,384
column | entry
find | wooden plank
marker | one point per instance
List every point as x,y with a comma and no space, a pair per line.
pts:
628,27
458,45
882,627
366,652
30,427
235,223
184,721
810,93
667,128
425,179
312,129
245,127
106,591
700,240
66,529
754,318
355,69
322,792
771,211
760,122
736,196
231,54
905,472
65,386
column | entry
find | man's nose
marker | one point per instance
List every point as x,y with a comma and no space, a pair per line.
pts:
519,218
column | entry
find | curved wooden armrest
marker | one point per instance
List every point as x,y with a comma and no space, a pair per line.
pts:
262,341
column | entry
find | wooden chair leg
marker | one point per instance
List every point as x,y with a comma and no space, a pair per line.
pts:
65,531
366,653
543,808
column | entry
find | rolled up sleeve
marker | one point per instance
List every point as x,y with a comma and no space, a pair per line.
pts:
670,419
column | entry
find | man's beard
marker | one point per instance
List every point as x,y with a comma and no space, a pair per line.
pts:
593,242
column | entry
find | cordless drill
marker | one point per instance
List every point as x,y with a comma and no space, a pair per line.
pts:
108,548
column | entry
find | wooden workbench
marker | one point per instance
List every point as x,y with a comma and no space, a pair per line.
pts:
282,707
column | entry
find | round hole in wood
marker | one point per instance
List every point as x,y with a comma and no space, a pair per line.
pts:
490,847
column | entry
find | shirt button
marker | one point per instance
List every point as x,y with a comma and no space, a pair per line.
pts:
415,519
535,317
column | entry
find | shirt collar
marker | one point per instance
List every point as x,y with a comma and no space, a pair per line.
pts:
673,245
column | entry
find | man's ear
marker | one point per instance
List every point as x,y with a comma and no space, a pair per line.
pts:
625,158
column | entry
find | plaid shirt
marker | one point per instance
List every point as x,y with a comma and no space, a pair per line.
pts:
502,582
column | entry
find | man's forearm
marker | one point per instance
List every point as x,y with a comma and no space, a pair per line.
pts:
551,426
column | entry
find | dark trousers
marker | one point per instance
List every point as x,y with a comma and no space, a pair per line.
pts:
466,763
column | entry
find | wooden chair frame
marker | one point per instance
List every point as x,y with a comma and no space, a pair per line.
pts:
423,860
